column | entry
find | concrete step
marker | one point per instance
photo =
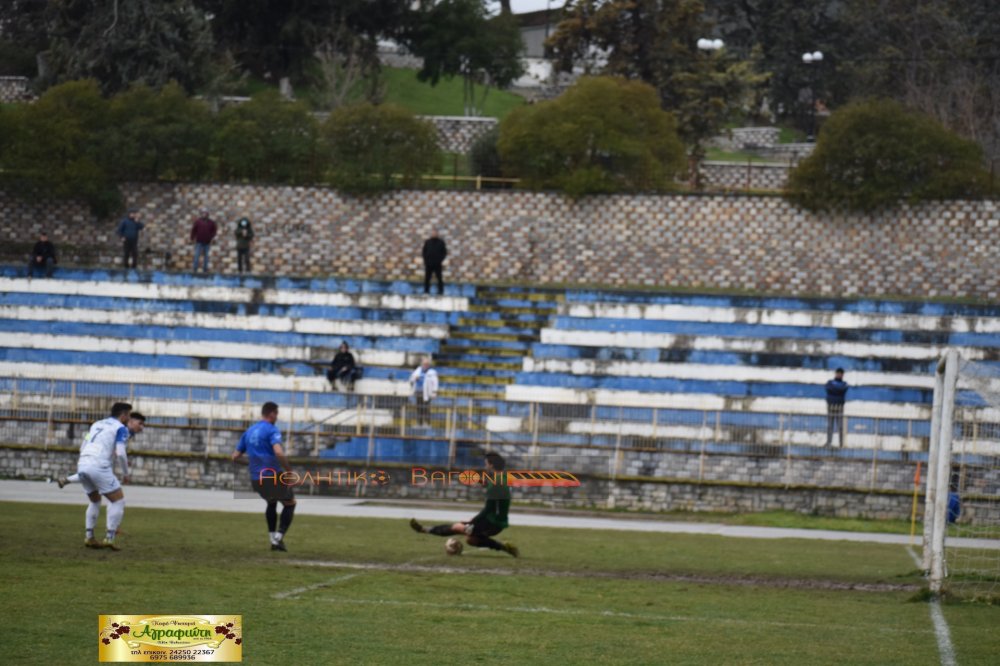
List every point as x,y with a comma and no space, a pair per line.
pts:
512,310
498,326
516,295
458,334
473,349
474,379
470,362
464,391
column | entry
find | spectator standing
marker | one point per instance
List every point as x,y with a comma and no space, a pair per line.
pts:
836,396
43,256
202,234
424,384
128,231
435,251
343,368
244,239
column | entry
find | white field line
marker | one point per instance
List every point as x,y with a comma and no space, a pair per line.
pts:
295,592
605,613
942,634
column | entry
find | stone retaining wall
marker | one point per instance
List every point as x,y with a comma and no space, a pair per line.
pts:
755,243
733,176
456,134
15,89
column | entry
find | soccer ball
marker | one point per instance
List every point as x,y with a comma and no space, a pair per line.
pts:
453,546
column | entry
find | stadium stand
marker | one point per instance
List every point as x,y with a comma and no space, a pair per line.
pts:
525,366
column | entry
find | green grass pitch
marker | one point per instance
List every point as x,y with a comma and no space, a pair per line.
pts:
356,591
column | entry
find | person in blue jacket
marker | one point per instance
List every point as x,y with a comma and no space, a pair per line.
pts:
128,231
836,395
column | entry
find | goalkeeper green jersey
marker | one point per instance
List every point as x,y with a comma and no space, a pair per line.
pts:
497,504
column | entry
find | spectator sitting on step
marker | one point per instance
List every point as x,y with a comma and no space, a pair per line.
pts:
43,256
343,368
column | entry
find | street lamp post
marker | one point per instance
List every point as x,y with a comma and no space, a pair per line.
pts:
813,58
697,153
710,44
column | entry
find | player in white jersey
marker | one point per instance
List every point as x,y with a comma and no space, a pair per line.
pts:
136,424
105,441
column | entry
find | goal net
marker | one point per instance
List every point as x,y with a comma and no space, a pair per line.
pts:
962,518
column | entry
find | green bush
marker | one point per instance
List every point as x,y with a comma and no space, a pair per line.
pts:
370,145
602,135
268,139
56,147
161,135
875,154
484,156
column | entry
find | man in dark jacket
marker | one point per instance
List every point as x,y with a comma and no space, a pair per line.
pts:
128,231
202,234
343,368
43,256
244,239
435,252
836,395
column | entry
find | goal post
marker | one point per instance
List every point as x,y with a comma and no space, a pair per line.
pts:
961,548
939,460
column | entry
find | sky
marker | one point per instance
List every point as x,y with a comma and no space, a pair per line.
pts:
522,6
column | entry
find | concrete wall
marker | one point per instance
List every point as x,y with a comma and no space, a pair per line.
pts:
15,89
644,479
760,244
456,134
199,471
739,138
733,176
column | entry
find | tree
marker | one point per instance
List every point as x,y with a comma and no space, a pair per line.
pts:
939,57
280,38
604,134
370,145
874,154
458,38
56,148
22,36
484,157
119,43
780,31
158,135
268,139
656,41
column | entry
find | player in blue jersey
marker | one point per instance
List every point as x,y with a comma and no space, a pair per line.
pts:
105,441
260,447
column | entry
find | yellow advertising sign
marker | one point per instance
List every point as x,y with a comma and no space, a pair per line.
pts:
167,638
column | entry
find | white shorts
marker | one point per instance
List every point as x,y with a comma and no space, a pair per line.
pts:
99,479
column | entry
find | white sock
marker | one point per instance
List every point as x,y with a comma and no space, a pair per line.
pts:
116,511
93,511
275,537
73,478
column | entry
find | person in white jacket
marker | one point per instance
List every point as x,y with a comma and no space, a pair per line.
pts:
424,383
